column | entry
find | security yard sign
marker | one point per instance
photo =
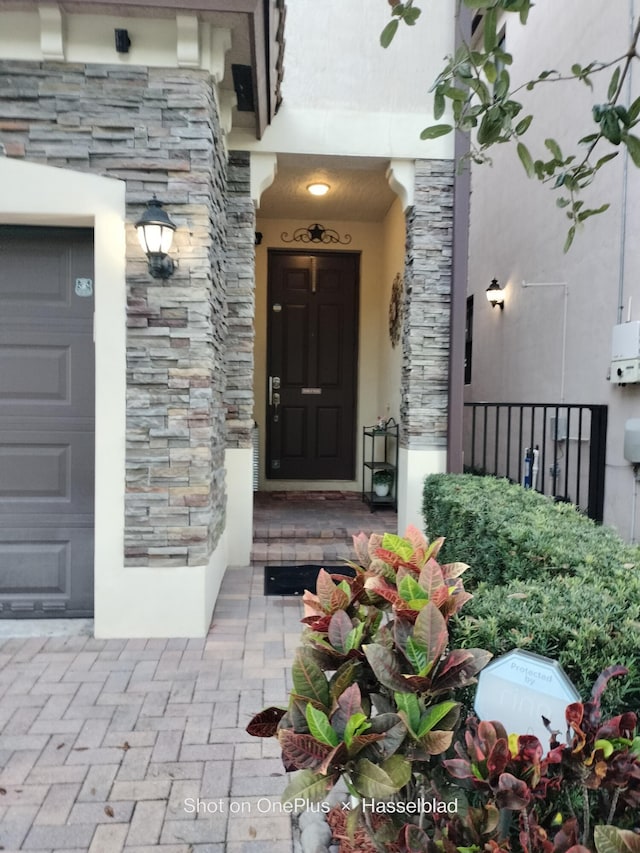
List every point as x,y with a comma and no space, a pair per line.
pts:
519,689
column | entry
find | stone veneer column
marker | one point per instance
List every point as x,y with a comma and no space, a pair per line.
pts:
158,131
425,335
240,286
240,281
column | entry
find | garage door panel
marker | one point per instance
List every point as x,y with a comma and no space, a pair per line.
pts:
34,373
39,272
39,475
39,574
46,374
30,567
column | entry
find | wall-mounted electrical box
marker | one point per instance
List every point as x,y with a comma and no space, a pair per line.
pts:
625,353
632,440
558,427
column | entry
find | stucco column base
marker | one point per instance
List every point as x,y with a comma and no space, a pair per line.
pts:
176,601
239,517
413,467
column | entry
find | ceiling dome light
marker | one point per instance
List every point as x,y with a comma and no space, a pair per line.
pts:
318,188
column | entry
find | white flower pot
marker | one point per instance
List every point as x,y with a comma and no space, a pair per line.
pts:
381,489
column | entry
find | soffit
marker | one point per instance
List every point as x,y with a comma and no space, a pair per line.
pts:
243,17
359,190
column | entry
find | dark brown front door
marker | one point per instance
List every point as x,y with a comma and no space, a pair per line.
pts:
312,361
46,422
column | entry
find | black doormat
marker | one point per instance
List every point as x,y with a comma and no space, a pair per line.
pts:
293,580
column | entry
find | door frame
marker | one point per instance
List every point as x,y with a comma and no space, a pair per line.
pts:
357,256
35,194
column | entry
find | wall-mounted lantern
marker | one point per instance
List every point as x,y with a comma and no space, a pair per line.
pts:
495,294
155,233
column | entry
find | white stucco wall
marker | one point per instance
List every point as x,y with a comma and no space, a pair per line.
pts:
343,94
517,234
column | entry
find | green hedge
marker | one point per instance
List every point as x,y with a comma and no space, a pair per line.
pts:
506,532
544,578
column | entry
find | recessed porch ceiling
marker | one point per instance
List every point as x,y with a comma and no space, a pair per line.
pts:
359,189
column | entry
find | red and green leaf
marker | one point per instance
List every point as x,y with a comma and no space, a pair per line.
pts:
302,750
339,628
265,724
308,679
430,631
385,668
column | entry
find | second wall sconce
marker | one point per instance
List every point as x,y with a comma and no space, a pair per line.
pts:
495,294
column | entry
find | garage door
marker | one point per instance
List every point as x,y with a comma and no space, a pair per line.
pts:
46,422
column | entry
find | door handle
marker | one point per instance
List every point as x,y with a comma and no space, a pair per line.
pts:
274,385
274,395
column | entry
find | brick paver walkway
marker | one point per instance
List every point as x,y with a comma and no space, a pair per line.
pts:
106,745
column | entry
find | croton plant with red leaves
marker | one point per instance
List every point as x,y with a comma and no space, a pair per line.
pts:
374,704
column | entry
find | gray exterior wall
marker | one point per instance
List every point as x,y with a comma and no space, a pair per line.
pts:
157,130
425,333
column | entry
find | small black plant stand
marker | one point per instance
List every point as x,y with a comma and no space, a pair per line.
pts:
380,453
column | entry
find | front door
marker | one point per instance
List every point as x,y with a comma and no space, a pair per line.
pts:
46,422
312,365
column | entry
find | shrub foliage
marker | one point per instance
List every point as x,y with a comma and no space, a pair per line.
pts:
545,579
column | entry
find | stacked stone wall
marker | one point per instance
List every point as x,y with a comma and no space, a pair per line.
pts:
158,131
425,334
241,226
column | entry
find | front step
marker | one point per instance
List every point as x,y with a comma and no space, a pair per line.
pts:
312,527
291,544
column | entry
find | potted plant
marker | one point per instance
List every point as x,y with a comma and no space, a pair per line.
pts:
382,481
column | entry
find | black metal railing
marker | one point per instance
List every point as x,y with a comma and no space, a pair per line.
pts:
557,449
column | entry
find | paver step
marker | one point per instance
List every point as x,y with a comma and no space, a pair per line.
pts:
330,552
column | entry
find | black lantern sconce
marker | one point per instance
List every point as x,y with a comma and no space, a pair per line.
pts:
155,233
495,294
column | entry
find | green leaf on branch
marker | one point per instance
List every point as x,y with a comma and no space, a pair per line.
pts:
553,146
490,71
523,125
526,159
633,147
613,84
571,233
585,214
489,35
435,131
386,36
634,109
